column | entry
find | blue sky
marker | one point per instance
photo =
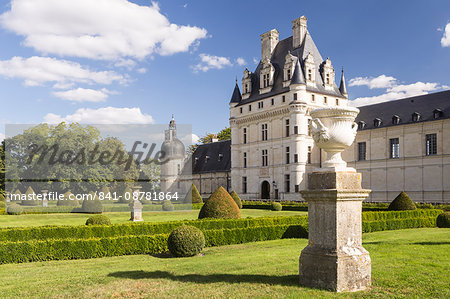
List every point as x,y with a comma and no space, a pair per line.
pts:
118,61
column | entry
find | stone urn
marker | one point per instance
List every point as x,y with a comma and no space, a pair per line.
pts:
333,130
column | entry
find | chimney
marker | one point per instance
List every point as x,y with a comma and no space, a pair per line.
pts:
299,29
269,41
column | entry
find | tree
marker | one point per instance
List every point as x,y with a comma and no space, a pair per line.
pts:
62,157
224,134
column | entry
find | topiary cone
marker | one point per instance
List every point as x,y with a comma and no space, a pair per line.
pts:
193,196
236,198
220,205
402,203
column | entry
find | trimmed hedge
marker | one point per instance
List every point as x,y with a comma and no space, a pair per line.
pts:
220,205
142,228
402,203
186,241
236,198
443,220
14,209
276,206
168,206
217,232
98,220
193,196
93,206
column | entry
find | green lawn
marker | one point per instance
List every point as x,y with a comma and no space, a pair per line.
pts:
405,263
120,217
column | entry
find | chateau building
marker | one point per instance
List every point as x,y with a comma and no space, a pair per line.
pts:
401,145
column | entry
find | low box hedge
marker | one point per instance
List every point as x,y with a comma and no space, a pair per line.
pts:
143,228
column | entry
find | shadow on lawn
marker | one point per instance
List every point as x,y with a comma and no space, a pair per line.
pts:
287,280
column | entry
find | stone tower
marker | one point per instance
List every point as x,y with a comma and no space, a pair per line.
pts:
174,158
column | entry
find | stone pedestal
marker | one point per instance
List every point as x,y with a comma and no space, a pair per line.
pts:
44,198
136,211
334,258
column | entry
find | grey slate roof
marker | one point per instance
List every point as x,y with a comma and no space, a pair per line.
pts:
200,163
342,85
425,105
236,97
298,77
278,61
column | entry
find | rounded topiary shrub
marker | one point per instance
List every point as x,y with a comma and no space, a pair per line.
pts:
14,209
276,206
401,203
167,206
98,220
30,198
220,205
17,196
186,241
236,198
68,200
193,196
92,206
443,220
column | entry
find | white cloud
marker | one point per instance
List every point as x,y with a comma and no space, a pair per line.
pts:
255,60
83,95
39,70
241,61
190,139
107,115
445,41
142,70
100,29
381,81
211,62
126,63
397,92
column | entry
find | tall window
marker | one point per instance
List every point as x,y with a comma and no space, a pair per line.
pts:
287,155
266,79
249,107
240,109
328,79
287,183
283,98
264,158
295,130
289,74
287,128
313,98
337,102
395,148
260,105
295,158
295,97
273,102
431,144
246,88
245,135
245,160
361,151
309,75
244,184
325,100
309,154
264,132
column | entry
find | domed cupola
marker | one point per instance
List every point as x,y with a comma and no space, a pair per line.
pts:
172,147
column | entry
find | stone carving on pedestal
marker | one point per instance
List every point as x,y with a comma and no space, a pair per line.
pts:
334,258
136,205
44,198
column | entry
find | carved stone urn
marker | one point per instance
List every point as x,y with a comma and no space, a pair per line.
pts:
333,130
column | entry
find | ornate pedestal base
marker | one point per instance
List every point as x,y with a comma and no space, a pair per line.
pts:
334,258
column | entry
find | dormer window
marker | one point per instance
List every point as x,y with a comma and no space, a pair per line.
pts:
206,159
266,76
246,84
415,116
310,68
220,157
289,65
195,160
437,113
395,120
361,125
377,122
327,71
